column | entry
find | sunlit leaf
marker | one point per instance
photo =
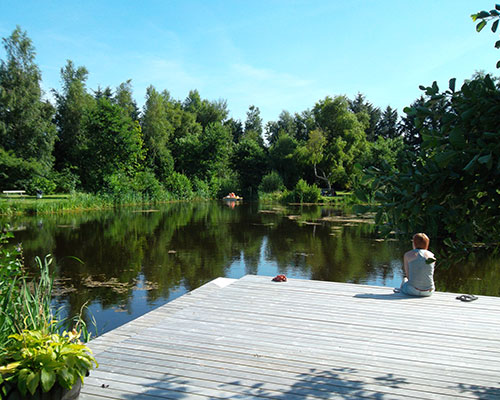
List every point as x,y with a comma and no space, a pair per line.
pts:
32,381
48,379
480,26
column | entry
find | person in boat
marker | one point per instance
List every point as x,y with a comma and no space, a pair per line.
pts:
419,266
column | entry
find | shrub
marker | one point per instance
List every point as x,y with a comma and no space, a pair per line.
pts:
145,184
179,186
271,182
202,189
36,183
66,181
304,193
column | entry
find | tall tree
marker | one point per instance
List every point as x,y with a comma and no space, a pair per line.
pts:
284,125
283,160
115,145
368,113
26,126
236,129
71,104
249,160
157,131
124,98
388,124
345,139
253,125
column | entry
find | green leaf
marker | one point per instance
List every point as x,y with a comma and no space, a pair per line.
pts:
497,44
422,87
483,14
452,84
65,378
471,163
444,158
497,7
494,26
430,260
489,82
480,26
474,17
494,13
448,242
485,159
32,382
498,64
457,138
48,379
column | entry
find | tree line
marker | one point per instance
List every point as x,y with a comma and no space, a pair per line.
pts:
99,141
435,169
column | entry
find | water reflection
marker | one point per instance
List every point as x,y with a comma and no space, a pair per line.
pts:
133,260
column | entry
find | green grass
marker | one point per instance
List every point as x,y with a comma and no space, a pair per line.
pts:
15,205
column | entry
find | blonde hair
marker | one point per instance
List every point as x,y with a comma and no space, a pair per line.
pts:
421,241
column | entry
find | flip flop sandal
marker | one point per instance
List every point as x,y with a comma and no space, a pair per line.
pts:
467,297
397,290
279,278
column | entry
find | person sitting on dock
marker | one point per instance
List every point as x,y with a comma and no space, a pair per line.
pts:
419,268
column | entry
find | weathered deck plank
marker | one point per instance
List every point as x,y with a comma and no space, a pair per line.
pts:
253,338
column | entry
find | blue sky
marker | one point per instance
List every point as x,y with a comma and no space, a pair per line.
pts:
277,55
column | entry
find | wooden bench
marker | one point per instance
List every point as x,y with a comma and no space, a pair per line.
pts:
16,192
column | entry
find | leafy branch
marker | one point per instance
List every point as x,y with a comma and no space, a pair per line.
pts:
487,16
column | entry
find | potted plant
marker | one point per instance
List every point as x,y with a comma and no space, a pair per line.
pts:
41,365
38,360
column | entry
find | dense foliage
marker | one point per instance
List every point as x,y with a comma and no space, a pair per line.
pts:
435,169
450,188
100,142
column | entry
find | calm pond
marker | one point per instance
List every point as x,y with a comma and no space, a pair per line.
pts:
133,259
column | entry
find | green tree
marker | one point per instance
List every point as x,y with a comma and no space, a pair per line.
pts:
236,129
214,151
124,98
249,160
26,127
387,127
284,125
206,112
253,125
71,104
304,123
283,160
114,145
157,131
367,113
451,190
345,140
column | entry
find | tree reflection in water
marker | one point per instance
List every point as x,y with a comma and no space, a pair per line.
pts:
135,260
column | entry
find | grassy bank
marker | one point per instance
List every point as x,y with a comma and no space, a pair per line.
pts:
18,205
341,199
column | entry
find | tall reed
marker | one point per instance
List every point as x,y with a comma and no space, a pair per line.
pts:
26,303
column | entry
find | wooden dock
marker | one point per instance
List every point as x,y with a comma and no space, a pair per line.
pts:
253,338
